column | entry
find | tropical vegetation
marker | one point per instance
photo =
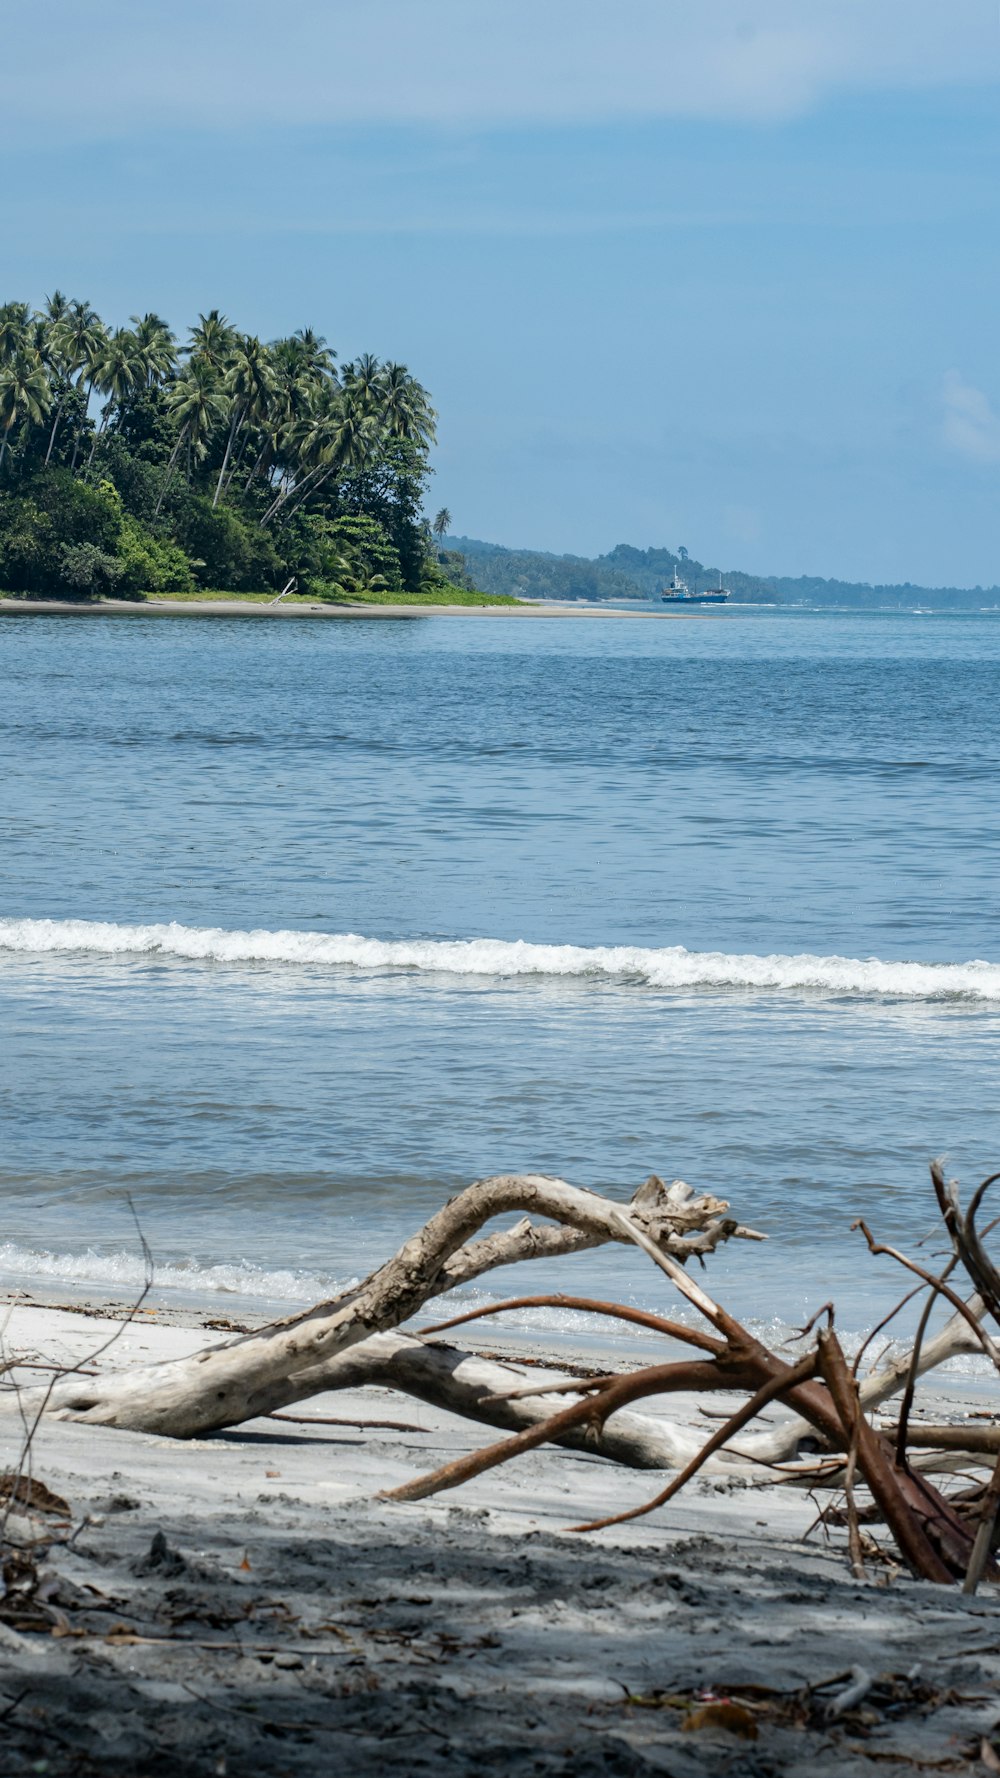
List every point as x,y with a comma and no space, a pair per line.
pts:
135,464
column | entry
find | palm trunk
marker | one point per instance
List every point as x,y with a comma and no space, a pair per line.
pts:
302,490
79,430
258,466
55,428
3,446
237,460
300,487
97,437
225,461
170,472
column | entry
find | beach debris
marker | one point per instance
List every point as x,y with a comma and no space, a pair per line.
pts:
160,1559
28,1493
826,1437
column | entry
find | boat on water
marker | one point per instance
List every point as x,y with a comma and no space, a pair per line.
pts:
679,593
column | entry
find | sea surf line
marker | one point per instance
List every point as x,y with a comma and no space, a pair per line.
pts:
663,967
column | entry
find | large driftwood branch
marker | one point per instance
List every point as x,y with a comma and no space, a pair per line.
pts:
288,1361
478,1389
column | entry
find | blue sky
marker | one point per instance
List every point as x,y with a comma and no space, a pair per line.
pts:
713,272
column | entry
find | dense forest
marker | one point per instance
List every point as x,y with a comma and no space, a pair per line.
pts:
133,464
628,573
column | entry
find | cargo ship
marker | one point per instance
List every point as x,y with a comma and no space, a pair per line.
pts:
679,593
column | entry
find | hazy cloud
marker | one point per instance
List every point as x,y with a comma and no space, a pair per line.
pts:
971,425
115,65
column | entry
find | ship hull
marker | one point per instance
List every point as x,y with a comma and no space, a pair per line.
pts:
694,598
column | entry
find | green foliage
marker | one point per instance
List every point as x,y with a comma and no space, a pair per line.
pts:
223,461
222,549
358,554
83,568
151,564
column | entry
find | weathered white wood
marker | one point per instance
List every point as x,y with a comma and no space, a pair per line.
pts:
286,1362
478,1388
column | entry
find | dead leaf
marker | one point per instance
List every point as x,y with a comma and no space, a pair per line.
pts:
988,1756
731,1717
245,1564
26,1491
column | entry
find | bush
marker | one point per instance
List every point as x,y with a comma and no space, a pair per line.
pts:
223,549
83,568
150,564
52,514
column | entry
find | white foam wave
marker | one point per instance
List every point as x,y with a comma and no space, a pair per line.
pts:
122,1271
668,966
120,1274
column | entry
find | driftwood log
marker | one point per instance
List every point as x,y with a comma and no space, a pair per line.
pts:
358,1338
292,1359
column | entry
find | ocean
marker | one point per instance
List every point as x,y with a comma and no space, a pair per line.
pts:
305,925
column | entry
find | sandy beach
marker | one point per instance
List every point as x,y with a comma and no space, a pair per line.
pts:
246,1603
245,608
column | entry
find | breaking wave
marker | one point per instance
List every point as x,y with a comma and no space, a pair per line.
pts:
668,967
187,1282
123,1271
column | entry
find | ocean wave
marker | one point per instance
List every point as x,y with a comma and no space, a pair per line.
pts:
124,1271
120,1274
666,967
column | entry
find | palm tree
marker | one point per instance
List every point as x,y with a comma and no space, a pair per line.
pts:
318,355
73,338
24,395
249,382
442,525
84,340
198,406
15,319
338,434
120,370
406,410
213,340
157,348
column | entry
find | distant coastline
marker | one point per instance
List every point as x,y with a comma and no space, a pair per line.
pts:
629,573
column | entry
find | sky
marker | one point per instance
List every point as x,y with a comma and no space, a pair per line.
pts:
719,273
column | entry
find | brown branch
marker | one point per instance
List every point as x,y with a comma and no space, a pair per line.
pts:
774,1386
885,1483
676,1330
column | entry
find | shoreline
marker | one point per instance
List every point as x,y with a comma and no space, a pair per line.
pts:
246,608
247,1601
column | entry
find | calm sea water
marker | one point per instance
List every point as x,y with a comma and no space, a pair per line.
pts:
730,889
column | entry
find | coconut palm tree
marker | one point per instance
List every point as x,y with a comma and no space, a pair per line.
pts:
156,349
337,435
249,381
56,306
86,341
317,357
77,339
197,406
442,525
406,410
213,340
15,319
120,370
24,395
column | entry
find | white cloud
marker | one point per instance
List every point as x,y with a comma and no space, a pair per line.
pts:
971,425
117,64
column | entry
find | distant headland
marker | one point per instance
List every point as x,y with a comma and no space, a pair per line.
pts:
628,573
